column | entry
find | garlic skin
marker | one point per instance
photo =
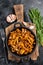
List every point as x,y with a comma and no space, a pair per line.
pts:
10,18
31,27
24,23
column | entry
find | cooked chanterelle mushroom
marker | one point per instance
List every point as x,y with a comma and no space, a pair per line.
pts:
10,18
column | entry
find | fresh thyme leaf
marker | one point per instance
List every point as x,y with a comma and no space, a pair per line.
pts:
37,19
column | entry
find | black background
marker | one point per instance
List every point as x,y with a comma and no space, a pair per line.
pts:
5,9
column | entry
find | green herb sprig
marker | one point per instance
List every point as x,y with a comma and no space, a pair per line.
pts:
37,19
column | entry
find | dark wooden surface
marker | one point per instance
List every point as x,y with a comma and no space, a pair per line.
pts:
5,9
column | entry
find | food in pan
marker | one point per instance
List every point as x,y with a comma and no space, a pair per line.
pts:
21,41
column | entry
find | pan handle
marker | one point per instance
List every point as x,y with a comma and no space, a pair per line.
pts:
18,24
